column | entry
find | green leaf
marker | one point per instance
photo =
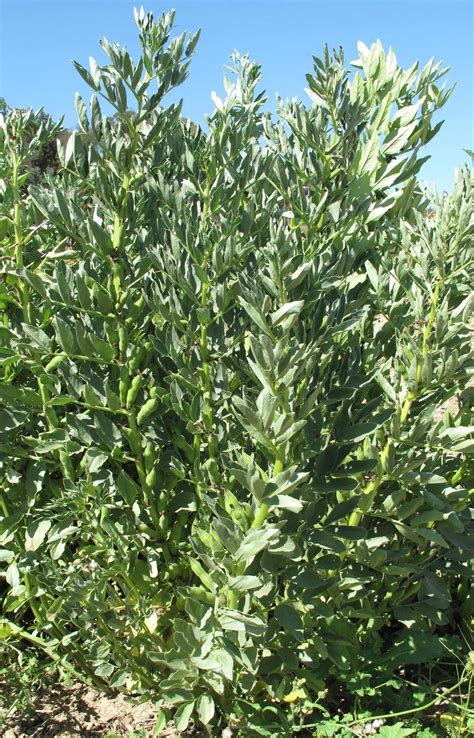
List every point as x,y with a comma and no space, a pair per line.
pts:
285,502
35,534
38,338
290,308
462,436
65,335
161,720
414,647
200,572
267,404
12,575
218,660
11,419
386,386
129,490
356,432
36,282
372,274
205,708
396,731
255,541
256,315
86,76
236,621
183,715
82,113
104,349
325,540
94,459
11,394
244,583
290,620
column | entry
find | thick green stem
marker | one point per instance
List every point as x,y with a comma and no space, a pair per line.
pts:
18,231
49,412
208,413
414,710
118,232
260,517
51,653
427,334
117,241
141,471
370,491
53,424
206,380
458,475
263,509
136,445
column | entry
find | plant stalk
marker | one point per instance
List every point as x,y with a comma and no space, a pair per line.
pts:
18,231
370,491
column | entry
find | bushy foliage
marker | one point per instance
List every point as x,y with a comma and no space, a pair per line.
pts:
42,144
232,444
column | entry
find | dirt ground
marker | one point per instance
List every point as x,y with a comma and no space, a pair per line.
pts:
77,711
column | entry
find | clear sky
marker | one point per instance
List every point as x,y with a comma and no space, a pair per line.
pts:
39,38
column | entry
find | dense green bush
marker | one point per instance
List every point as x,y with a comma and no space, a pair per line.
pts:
232,437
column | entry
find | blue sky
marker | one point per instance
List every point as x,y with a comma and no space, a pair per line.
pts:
39,38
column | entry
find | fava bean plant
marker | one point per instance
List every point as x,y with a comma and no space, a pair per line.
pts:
234,387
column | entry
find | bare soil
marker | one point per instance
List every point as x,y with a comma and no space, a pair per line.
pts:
77,711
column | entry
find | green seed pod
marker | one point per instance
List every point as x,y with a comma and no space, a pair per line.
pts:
118,233
148,356
124,295
136,359
151,478
134,312
52,417
117,279
201,594
55,362
134,390
149,456
124,384
112,334
137,308
123,339
133,439
146,410
110,287
212,469
117,271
